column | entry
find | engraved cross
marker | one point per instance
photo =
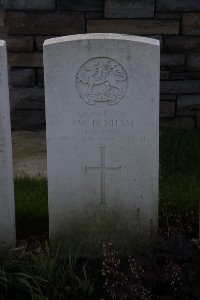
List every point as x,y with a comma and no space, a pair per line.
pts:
103,170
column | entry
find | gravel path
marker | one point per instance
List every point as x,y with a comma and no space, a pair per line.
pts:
29,153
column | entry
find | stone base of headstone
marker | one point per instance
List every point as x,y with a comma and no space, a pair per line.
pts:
85,231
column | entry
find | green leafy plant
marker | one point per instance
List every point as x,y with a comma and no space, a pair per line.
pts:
17,282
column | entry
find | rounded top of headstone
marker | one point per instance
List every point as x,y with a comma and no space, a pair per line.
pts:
2,43
102,36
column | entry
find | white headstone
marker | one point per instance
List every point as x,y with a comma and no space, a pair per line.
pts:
7,208
102,114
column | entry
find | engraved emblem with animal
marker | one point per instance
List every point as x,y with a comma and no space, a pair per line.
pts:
101,80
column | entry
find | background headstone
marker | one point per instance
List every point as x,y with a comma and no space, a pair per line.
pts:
102,114
7,209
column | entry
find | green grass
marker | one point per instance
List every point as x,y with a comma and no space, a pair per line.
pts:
179,183
31,206
180,168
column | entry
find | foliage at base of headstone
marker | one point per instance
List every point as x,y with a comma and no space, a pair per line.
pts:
171,270
37,274
18,282
168,270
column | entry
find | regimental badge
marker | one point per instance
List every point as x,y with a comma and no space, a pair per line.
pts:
101,81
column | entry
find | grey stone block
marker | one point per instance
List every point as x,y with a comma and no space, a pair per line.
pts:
188,102
27,119
191,24
129,9
40,77
167,109
3,29
180,87
45,23
94,15
2,18
3,33
25,59
167,16
182,43
22,77
39,41
177,123
20,43
164,74
81,5
193,62
185,76
134,26
178,5
185,113
171,59
27,98
29,4
168,97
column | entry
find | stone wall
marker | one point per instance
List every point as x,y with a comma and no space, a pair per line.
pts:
25,24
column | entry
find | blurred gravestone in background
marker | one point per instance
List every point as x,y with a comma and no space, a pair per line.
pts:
7,208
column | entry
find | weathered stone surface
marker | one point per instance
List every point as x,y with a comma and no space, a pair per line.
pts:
164,74
167,109
186,113
167,16
178,5
193,62
129,9
182,43
185,76
29,4
80,5
7,204
94,15
40,77
27,98
171,59
141,27
168,97
188,102
191,24
46,23
3,29
2,18
180,87
28,119
26,59
3,33
178,123
22,77
39,41
20,43
99,170
178,68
